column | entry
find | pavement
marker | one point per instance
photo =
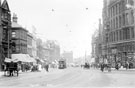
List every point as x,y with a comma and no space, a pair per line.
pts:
53,70
71,78
20,72
1,73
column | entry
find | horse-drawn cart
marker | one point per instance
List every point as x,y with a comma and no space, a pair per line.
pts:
11,67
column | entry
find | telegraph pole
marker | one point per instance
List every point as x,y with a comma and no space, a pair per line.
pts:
8,42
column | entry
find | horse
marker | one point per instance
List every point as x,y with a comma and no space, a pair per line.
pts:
11,68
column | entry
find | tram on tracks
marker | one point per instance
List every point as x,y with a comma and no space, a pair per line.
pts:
62,64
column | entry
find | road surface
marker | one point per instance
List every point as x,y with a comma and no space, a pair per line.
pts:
71,78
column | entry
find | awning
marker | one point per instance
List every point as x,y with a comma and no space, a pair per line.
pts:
9,60
22,57
30,59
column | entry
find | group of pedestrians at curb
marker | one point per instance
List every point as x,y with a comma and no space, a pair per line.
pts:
118,65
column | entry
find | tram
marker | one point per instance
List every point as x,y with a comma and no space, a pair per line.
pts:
62,64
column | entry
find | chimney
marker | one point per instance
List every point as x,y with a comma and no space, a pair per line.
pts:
15,18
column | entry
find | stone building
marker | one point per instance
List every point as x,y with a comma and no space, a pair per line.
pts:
119,31
5,32
19,37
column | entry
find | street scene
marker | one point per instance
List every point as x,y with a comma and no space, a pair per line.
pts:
71,78
67,43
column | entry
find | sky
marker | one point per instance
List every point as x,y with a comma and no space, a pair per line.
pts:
70,22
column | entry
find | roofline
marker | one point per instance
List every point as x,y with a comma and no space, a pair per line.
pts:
19,28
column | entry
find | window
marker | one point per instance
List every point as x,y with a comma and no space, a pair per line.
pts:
111,37
131,2
13,34
132,17
113,11
114,36
120,35
116,9
116,22
119,7
127,19
128,33
132,32
120,21
117,35
123,19
111,24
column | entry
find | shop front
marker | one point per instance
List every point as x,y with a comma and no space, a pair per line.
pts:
126,53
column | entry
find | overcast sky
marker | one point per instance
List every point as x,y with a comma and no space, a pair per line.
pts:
70,22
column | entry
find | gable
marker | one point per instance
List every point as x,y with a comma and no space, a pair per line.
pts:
5,5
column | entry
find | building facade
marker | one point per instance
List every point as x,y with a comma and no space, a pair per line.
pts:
19,37
29,44
119,37
34,46
39,45
5,32
97,41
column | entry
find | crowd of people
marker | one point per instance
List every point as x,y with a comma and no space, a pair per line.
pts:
107,66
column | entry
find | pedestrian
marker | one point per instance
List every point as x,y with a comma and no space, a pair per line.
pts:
102,67
47,67
109,67
11,68
117,66
127,65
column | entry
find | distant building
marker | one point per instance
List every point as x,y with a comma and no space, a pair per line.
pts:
39,45
68,55
97,41
5,32
34,46
46,53
19,37
54,48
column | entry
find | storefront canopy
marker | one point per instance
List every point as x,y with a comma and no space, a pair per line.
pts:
22,57
10,60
